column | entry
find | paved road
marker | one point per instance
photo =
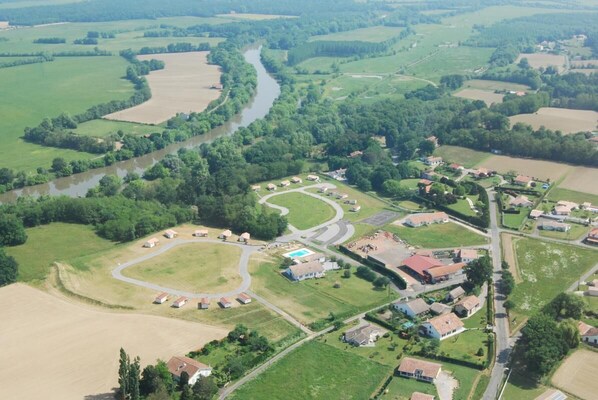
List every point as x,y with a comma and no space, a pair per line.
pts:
501,320
246,252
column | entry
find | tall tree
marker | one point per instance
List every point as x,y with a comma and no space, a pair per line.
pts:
8,269
123,375
479,271
12,232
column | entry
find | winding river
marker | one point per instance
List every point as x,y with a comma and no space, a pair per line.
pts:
78,185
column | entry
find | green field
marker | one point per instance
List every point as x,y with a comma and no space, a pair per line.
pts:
371,34
55,242
557,194
314,299
30,3
438,235
304,211
494,85
33,92
367,86
460,155
514,221
402,388
194,267
316,371
463,206
546,269
104,128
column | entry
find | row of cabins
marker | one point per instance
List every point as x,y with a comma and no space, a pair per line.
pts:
171,234
341,196
204,303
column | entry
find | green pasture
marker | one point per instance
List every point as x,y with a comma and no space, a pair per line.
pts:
371,34
483,84
438,235
461,155
304,211
576,232
558,193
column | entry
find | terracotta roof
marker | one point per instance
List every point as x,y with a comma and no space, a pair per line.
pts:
469,302
205,300
420,264
593,233
426,182
226,233
153,240
426,218
443,270
418,306
536,213
583,327
243,296
306,268
468,253
181,300
245,236
520,201
224,300
446,323
179,364
523,179
421,396
162,296
410,365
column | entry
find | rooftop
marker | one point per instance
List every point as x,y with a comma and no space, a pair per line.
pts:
446,323
469,302
420,264
410,365
426,218
418,306
179,364
306,268
443,270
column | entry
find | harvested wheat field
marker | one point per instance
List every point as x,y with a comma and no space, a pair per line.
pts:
184,85
509,255
577,375
562,119
70,351
477,94
541,60
540,170
582,179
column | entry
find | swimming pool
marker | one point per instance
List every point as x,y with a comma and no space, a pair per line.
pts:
299,253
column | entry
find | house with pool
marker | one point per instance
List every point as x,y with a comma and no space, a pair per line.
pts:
308,265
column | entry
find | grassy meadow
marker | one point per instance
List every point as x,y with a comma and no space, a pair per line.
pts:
304,211
438,236
371,34
461,155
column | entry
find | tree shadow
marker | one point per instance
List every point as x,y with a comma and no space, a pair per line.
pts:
102,396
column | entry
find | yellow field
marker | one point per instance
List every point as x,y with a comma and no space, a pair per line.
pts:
582,179
577,375
70,351
182,86
539,60
540,170
564,120
477,94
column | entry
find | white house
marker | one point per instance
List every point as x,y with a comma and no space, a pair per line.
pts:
443,326
554,226
412,308
180,302
588,333
200,233
244,298
365,335
308,270
467,255
313,178
467,306
170,234
153,242
455,294
271,186
225,235
245,236
225,303
194,369
161,298
204,303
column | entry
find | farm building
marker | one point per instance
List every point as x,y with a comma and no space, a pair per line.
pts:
421,396
412,308
153,242
535,214
161,298
440,309
200,233
271,186
467,306
193,368
204,303
170,234
225,234
433,161
296,179
365,335
313,178
244,237
256,188
355,208
308,270
418,265
419,369
421,219
467,255
455,294
443,326
444,272
244,298
225,303
554,226
285,183
180,302
522,180
588,333
520,201
592,237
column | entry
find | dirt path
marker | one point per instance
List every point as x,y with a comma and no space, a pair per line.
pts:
509,256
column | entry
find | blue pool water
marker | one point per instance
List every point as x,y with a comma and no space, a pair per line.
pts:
299,253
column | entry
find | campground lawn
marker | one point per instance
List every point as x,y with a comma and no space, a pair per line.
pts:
316,371
438,235
304,211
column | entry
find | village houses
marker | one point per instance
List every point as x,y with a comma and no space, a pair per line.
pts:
194,369
412,308
365,335
443,326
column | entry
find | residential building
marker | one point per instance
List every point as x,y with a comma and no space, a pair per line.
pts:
424,182
355,153
244,298
412,308
161,298
421,219
440,309
244,237
284,183
419,369
481,173
455,294
430,175
355,208
308,270
225,303
467,255
204,303
588,333
433,139
296,179
520,201
467,306
444,272
180,302
565,207
554,226
271,186
313,178
443,326
433,161
170,234
365,335
153,242
256,188
535,214
225,234
417,265
201,233
522,180
592,237
421,396
456,167
193,368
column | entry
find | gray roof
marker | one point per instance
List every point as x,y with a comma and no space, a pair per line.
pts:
456,292
439,308
361,334
418,306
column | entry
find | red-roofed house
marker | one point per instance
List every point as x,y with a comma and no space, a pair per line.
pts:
180,302
588,333
592,237
170,234
225,303
244,298
419,369
467,306
445,272
522,180
204,303
420,264
416,220
193,368
161,298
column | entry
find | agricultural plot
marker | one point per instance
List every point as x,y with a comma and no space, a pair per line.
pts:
546,269
582,179
326,372
371,86
205,267
304,211
543,60
476,94
461,155
558,193
56,333
184,85
541,170
371,34
577,375
253,17
565,120
438,236
492,86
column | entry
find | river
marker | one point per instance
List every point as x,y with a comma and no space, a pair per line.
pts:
78,185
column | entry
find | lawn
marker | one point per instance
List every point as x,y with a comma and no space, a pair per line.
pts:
483,84
55,242
312,300
410,205
465,346
304,211
402,388
195,267
557,194
325,373
462,206
514,221
371,34
461,155
546,269
576,232
103,128
33,92
438,235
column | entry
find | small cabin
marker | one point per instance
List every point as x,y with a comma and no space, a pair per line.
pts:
296,179
225,303
244,298
225,235
153,242
161,298
170,234
245,236
180,302
201,233
204,304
